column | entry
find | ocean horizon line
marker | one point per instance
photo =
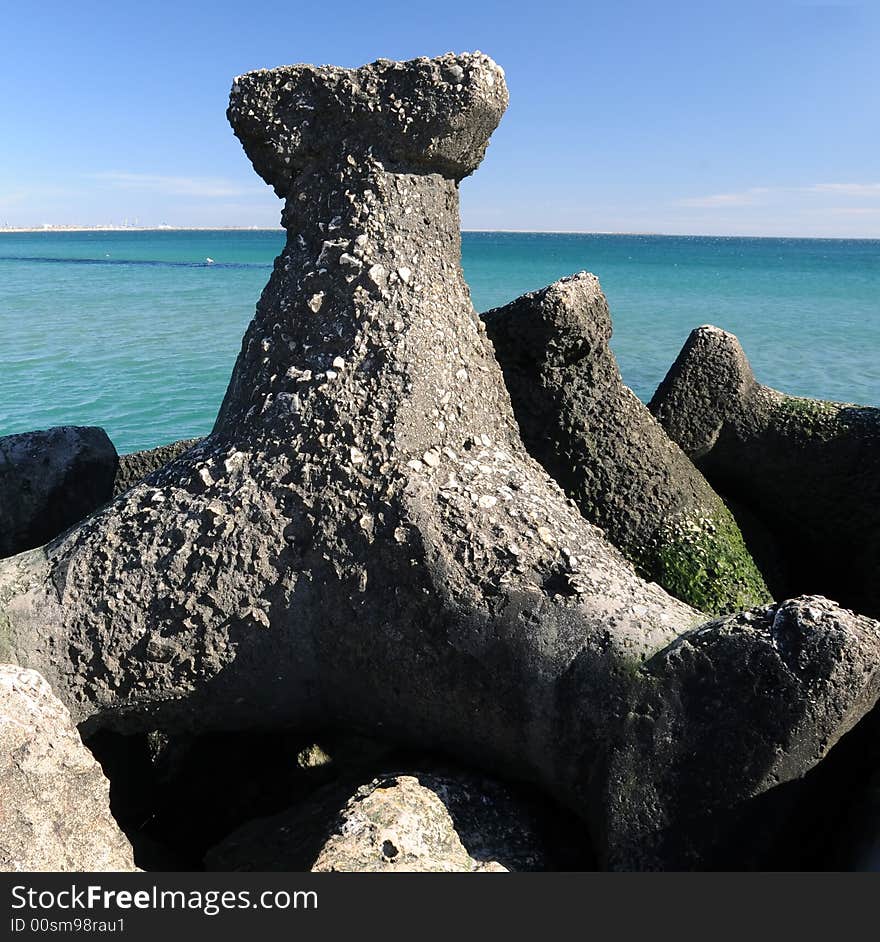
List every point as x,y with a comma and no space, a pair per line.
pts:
57,230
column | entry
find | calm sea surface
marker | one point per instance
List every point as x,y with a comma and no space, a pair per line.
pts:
134,332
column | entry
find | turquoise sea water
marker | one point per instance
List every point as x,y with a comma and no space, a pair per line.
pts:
134,332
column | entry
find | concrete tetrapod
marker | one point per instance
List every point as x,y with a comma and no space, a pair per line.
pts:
809,470
363,540
607,451
50,480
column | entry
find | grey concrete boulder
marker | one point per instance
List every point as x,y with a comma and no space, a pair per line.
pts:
50,480
396,822
606,450
135,466
809,470
363,540
698,741
397,826
54,799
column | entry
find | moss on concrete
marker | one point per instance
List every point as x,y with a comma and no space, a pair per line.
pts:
813,418
703,560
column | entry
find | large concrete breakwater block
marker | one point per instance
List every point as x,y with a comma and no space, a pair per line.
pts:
50,480
607,451
364,541
807,469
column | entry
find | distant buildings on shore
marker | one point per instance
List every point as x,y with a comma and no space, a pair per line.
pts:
125,227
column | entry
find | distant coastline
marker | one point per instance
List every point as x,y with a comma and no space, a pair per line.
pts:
57,229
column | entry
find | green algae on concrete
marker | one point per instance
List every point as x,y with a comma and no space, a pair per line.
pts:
704,560
810,418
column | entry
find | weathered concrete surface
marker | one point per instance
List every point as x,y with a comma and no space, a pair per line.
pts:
363,541
808,469
699,740
134,467
397,823
606,450
50,480
54,799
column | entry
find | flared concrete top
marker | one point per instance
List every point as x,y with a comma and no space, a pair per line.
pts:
433,115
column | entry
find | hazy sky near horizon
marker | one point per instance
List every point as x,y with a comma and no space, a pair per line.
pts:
723,118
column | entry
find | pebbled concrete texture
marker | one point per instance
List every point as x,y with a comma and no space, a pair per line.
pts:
136,465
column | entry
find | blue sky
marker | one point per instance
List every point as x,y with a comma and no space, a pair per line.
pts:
717,118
